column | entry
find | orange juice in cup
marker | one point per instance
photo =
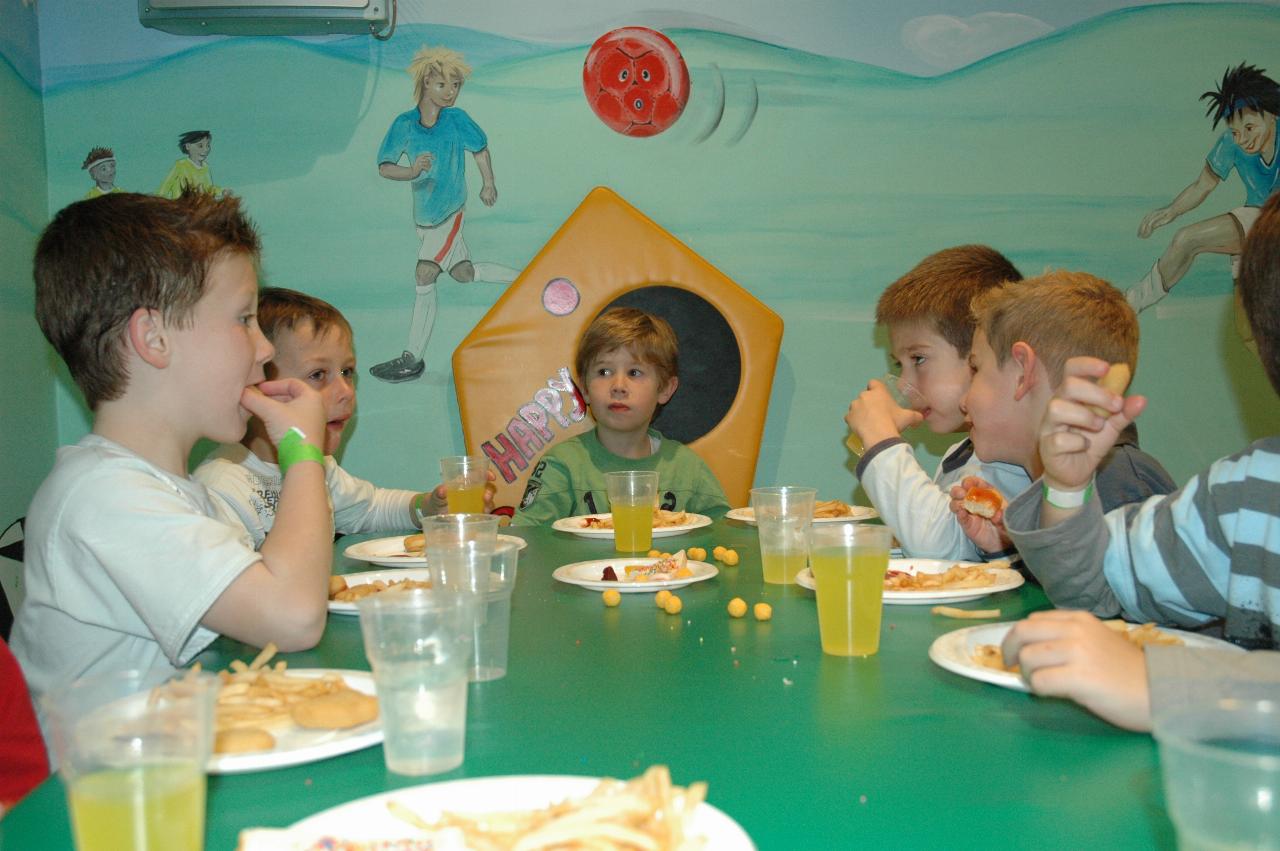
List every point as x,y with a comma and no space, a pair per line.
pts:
149,806
849,561
632,495
783,517
904,396
465,477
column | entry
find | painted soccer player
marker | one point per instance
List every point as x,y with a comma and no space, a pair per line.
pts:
433,138
101,165
1248,101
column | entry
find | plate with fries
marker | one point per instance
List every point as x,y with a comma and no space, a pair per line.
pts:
974,651
540,811
342,601
589,575
391,552
601,525
926,581
822,513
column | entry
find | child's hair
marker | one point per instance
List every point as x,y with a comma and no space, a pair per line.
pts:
97,155
1242,87
99,261
940,288
443,61
281,309
191,137
648,336
1060,314
1260,287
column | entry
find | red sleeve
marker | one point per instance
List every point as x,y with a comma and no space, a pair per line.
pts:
22,750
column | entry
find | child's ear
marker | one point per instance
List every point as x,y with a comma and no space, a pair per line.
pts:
149,337
1025,358
669,390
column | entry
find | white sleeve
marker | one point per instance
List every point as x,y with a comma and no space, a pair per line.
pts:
915,507
359,506
234,487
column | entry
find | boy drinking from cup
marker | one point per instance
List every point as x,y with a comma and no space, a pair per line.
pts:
130,563
627,364
927,314
313,344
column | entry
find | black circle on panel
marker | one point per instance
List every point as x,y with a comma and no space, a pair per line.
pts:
710,363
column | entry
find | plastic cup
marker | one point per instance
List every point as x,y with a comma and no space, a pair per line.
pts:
1221,766
419,645
783,517
632,496
465,478
442,532
849,561
904,394
133,760
488,573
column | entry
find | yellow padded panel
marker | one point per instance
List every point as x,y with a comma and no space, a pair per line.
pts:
513,372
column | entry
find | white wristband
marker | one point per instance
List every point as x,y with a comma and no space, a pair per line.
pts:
1068,499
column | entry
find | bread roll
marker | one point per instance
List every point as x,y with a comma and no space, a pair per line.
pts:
982,501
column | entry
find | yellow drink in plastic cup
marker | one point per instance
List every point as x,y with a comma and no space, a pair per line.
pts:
632,528
783,517
632,496
132,750
147,807
849,561
465,478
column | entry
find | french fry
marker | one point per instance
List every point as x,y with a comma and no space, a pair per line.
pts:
1117,381
965,614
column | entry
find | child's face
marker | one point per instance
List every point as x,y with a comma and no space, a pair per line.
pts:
104,172
440,91
1001,426
199,151
624,391
1253,131
221,351
326,362
932,366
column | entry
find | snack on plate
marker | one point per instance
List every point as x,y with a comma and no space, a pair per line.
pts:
956,576
415,544
673,567
1117,381
662,519
982,501
255,700
341,592
989,655
284,839
824,508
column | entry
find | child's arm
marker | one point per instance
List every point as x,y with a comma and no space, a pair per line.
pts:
548,495
874,417
1188,199
489,190
284,597
1074,655
913,504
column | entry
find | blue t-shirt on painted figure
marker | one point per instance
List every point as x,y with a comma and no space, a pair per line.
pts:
1259,177
442,189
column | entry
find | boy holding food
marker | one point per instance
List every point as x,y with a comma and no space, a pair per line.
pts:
627,364
927,314
130,563
1024,335
1206,553
313,343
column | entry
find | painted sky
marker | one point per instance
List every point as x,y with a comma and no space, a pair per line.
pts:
921,37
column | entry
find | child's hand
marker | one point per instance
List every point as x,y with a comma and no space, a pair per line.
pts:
489,194
438,499
988,534
1074,655
1073,437
284,404
874,416
421,163
1155,219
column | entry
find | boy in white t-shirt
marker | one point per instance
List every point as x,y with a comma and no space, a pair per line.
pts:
152,304
313,343
930,326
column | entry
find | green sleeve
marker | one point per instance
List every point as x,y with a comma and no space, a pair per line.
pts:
548,495
172,185
708,496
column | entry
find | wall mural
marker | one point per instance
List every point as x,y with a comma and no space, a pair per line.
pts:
1247,101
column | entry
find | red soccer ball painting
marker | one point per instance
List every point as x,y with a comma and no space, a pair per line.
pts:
636,81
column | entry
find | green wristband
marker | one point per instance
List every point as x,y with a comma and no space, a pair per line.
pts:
294,448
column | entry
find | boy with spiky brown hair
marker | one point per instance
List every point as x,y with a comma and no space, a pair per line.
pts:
930,324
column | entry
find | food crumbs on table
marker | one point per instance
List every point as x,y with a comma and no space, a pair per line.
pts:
763,611
730,557
660,599
862,799
673,605
737,607
735,663
786,681
611,598
697,553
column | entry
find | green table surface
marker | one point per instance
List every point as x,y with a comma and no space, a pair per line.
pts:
803,750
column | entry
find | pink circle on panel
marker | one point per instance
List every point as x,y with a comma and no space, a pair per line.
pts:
560,297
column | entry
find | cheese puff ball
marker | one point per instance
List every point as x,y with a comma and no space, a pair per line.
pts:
653,554
763,611
673,605
660,599
697,553
611,598
730,558
718,553
737,607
